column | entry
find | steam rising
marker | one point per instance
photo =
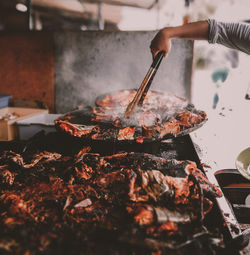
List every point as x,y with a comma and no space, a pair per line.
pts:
156,107
90,64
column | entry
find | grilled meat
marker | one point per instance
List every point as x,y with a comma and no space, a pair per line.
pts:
161,116
11,158
47,198
126,133
6,177
206,186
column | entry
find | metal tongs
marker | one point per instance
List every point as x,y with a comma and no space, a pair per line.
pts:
145,85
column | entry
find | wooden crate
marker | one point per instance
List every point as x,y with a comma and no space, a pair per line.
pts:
9,131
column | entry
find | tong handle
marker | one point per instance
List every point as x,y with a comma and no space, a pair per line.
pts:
157,60
155,65
143,89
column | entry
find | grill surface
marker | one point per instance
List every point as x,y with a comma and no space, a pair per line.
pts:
180,148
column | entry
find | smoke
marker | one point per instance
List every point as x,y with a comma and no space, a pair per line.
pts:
90,64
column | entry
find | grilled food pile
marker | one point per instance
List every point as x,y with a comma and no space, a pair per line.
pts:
126,203
161,116
123,203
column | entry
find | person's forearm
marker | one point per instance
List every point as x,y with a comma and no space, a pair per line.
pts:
232,35
192,31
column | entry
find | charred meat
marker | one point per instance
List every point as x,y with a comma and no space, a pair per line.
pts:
161,116
49,198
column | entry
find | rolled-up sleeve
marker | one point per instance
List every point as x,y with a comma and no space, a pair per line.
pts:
232,35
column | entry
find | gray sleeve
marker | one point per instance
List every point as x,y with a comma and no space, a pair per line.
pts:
232,35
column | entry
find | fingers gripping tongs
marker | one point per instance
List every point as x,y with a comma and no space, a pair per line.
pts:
146,83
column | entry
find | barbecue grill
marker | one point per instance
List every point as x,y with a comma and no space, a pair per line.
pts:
59,192
110,100
207,240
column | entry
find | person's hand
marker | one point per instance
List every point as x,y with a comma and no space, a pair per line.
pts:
161,42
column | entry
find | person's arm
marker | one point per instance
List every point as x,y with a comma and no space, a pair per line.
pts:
193,31
232,35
